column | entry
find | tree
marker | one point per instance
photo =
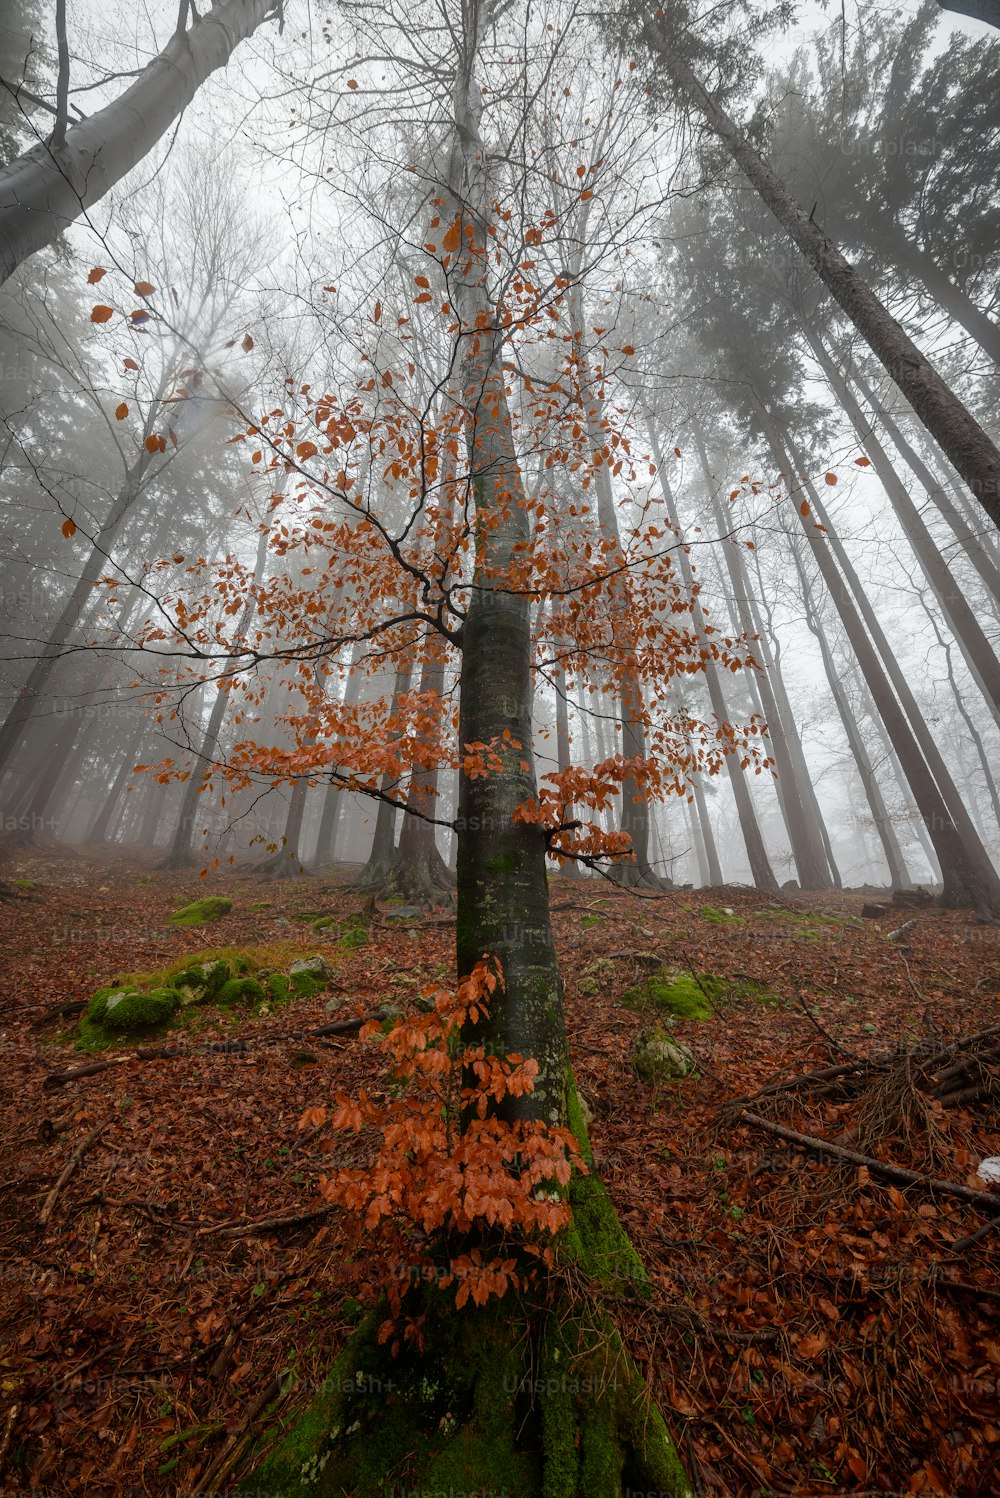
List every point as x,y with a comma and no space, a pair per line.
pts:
45,190
948,420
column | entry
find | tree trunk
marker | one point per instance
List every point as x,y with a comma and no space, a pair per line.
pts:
950,298
957,811
982,560
99,828
972,452
48,188
968,876
981,658
899,876
806,843
760,866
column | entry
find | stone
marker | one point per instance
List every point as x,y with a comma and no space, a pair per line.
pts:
316,967
658,1057
404,913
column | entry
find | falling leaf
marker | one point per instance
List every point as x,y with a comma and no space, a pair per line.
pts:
121,411
68,529
97,274
247,344
101,313
144,288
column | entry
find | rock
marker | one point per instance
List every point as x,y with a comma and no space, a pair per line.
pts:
404,913
332,1005
875,912
316,967
658,1057
790,884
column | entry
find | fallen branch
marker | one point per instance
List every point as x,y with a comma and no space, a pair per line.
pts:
891,1172
230,1453
68,1169
265,1224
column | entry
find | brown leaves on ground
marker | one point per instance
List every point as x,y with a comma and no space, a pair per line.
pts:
814,1330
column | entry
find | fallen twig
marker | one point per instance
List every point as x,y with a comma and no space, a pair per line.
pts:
891,1172
265,1224
68,1169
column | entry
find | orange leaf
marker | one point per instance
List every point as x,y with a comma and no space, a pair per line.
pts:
131,364
804,507
587,193
96,275
68,529
352,83
144,288
121,412
247,344
101,313
306,450
863,462
453,237
378,311
627,348
831,478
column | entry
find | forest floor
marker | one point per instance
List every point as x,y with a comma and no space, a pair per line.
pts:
814,1329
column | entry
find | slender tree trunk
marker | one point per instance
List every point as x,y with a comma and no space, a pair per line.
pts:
974,734
760,866
99,828
982,559
957,811
968,876
960,436
804,837
899,876
763,622
981,658
960,307
48,188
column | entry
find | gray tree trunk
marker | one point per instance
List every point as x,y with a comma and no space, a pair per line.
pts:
50,186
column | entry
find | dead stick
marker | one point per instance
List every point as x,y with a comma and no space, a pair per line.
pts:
68,1170
229,1454
265,1225
891,1172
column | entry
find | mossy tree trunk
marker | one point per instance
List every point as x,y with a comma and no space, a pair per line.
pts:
469,1413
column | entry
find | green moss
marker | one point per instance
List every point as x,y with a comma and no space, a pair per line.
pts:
355,936
23,883
201,912
278,988
139,1011
305,985
261,905
676,992
719,917
240,993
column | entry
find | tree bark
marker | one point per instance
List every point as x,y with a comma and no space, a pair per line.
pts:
50,186
971,451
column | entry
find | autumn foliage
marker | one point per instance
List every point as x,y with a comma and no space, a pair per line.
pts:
452,1175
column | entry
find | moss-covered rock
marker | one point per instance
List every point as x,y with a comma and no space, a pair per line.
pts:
128,1010
202,981
201,912
240,993
659,1057
676,992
